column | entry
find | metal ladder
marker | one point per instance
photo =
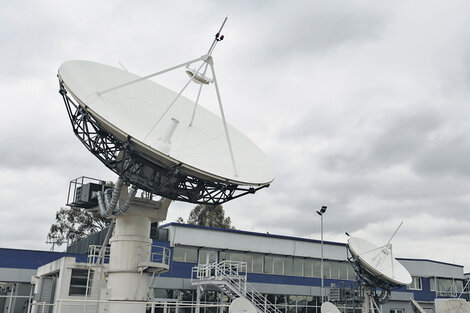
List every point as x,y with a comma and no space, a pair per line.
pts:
231,278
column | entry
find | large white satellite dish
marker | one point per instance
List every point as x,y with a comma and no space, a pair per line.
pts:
328,307
159,140
454,306
378,261
133,111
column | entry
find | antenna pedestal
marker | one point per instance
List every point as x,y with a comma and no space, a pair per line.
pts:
369,305
131,247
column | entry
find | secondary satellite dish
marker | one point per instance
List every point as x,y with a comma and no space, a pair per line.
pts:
159,140
241,305
378,263
328,307
454,306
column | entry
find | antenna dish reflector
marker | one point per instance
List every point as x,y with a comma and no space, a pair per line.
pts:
379,262
139,111
328,307
454,306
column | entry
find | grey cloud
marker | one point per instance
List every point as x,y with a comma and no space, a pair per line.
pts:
444,158
405,136
44,150
358,143
400,139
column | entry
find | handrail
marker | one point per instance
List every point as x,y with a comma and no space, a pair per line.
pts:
234,274
161,256
157,254
64,305
94,257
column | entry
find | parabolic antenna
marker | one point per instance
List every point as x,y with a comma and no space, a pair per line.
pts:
377,264
241,305
158,139
328,307
454,306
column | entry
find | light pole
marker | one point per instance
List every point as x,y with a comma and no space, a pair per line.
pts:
321,212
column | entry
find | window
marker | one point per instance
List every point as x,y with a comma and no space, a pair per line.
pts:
254,261
351,272
458,286
326,269
257,263
397,311
298,264
248,258
78,282
343,270
278,265
416,283
446,286
288,264
317,268
281,300
291,300
185,254
334,270
15,297
308,267
191,255
237,257
207,256
268,264
178,254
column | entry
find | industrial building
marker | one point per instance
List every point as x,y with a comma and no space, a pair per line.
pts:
287,270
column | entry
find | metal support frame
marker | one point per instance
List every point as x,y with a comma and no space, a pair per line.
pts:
122,157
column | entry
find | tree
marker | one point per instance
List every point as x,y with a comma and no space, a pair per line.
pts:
72,224
208,215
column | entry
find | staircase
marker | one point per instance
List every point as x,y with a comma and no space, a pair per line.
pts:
230,278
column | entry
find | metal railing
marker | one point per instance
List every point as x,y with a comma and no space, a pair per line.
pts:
160,254
220,270
92,306
96,255
157,254
234,274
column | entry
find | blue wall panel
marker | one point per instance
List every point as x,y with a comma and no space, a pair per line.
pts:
30,259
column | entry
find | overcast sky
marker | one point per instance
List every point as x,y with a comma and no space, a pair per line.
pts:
362,106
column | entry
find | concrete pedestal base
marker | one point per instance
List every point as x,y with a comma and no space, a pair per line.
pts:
131,245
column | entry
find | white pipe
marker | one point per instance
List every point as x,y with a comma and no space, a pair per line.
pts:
101,203
108,199
116,193
125,206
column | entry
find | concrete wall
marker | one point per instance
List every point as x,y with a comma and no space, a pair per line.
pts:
64,267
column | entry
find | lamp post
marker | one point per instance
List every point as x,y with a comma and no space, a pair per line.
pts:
321,212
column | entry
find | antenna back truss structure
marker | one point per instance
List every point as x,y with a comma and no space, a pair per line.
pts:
122,157
372,281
